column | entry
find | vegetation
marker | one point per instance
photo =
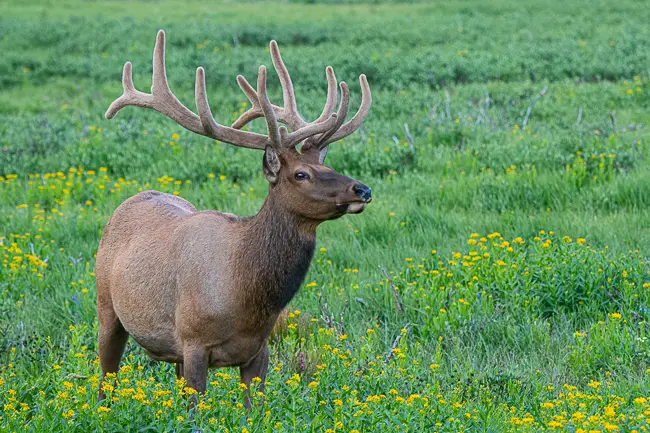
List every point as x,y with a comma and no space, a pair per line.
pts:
499,281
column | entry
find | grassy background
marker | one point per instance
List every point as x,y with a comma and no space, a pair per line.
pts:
461,78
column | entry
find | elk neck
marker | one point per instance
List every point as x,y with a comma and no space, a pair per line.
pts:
276,250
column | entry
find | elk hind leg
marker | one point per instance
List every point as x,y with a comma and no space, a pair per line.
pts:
112,341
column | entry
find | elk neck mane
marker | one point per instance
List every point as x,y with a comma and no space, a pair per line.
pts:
274,255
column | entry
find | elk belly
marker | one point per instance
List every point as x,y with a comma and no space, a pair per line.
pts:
157,337
235,352
143,300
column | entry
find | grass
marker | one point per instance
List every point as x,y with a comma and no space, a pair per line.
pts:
499,281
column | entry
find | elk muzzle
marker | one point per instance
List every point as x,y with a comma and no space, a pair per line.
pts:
363,195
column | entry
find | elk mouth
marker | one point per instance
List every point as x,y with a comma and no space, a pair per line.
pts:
352,207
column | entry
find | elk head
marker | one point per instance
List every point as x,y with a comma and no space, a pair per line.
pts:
294,158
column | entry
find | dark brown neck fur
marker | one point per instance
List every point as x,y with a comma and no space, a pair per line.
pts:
274,256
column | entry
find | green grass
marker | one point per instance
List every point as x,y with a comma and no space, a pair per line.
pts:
532,313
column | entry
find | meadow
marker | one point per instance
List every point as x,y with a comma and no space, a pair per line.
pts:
498,282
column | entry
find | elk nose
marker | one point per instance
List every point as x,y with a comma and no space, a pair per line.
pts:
363,192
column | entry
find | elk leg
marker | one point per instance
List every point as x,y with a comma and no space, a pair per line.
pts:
195,368
179,370
256,367
112,341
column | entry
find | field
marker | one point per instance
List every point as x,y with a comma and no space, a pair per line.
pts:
498,282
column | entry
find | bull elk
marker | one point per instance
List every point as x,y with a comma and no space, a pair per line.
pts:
204,288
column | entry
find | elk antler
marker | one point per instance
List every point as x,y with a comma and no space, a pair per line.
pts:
164,101
289,113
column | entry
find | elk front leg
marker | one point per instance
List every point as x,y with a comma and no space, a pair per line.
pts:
256,367
195,368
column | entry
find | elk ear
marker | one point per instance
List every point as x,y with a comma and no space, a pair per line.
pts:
272,164
322,154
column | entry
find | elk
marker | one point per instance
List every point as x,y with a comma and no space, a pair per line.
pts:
204,288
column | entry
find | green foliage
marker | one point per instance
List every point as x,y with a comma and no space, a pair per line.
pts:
416,315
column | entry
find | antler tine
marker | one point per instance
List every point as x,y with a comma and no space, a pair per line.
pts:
356,121
252,113
342,114
267,109
130,92
159,80
202,105
289,97
330,102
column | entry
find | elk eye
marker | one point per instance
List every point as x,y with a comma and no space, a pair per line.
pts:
301,175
